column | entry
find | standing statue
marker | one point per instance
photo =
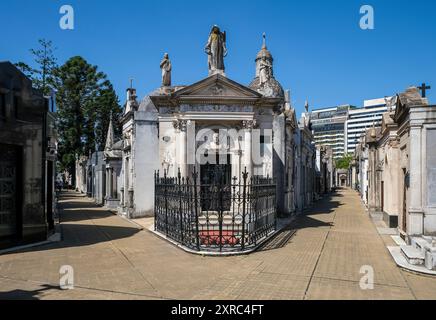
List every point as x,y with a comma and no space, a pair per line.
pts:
216,50
265,70
165,65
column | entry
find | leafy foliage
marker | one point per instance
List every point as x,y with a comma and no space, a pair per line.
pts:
344,162
86,100
43,75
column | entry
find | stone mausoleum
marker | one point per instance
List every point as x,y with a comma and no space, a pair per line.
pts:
218,131
397,165
252,127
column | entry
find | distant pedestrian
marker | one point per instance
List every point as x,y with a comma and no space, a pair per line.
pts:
59,186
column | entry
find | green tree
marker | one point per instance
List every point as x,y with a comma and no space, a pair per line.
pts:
85,100
344,162
43,76
106,106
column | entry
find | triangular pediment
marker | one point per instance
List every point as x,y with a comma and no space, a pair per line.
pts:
217,86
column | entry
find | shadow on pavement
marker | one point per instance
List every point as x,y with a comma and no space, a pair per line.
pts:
79,228
24,294
306,220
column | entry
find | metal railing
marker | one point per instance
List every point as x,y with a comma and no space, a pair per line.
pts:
215,213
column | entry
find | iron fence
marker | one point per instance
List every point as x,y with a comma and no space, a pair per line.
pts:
215,213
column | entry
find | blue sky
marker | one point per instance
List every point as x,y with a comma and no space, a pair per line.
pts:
320,52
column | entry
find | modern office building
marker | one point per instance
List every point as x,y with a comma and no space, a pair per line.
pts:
361,119
329,126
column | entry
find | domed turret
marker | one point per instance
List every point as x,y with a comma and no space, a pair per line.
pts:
263,53
264,82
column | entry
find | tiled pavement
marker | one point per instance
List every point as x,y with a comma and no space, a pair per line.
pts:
113,259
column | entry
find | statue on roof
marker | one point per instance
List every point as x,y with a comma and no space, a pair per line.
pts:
265,70
166,67
265,64
216,50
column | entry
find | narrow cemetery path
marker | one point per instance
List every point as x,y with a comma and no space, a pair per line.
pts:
319,257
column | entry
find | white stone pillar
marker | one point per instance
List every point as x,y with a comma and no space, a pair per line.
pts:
181,126
114,184
191,144
106,195
248,163
111,182
415,219
248,151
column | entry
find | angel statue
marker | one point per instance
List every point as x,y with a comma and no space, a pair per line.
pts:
216,50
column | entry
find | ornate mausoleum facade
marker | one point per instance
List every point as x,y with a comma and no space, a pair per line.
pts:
218,131
216,122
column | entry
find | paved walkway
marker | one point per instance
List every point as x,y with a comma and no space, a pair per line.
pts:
114,259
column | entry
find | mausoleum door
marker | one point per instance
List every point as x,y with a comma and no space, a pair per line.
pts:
218,172
215,180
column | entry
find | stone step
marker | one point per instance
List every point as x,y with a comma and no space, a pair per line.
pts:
423,244
399,241
418,243
413,255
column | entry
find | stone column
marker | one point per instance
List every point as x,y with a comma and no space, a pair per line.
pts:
122,197
246,159
372,171
279,159
106,183
415,221
114,184
111,182
131,189
181,127
248,163
191,147
126,181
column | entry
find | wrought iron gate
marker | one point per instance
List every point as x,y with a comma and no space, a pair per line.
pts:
218,215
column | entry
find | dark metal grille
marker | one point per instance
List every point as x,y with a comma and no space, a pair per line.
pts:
217,213
8,190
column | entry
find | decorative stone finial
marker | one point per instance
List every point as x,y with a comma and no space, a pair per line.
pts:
110,136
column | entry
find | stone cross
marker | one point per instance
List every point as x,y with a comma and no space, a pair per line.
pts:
423,89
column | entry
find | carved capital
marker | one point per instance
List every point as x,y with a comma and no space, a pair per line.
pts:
180,125
249,124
